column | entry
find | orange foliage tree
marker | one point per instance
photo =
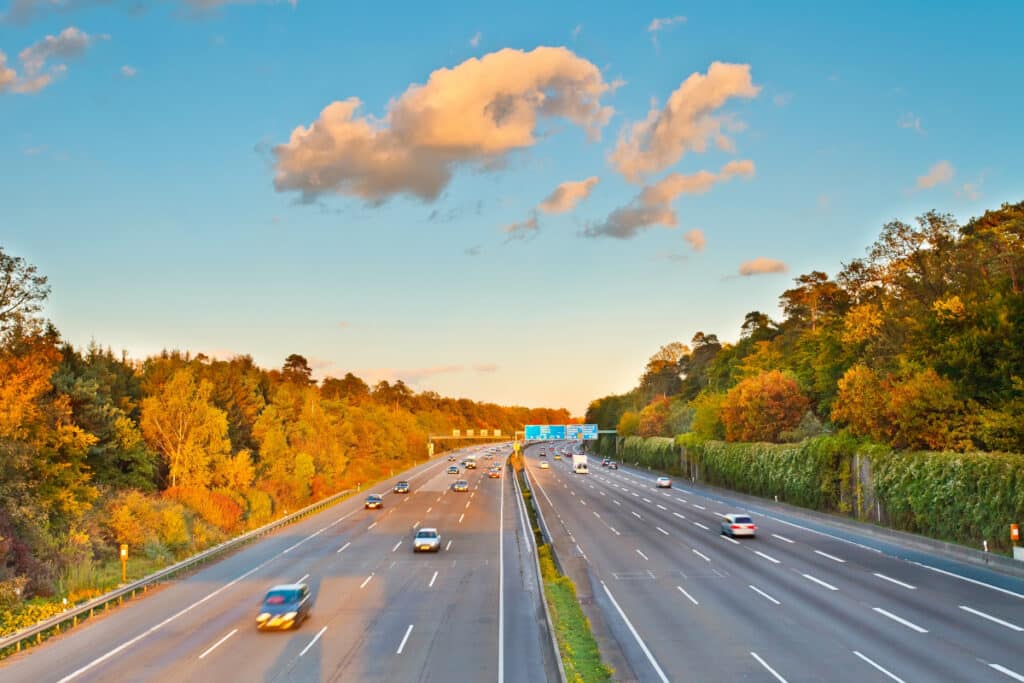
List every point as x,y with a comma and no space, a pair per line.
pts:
654,417
759,408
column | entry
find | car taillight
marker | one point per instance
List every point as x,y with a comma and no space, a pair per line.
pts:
735,526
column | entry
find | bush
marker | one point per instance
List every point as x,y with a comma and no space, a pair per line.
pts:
762,406
657,452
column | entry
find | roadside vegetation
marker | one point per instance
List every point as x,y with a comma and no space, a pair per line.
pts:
897,385
177,452
579,651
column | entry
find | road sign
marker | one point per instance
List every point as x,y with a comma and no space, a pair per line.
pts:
544,432
577,432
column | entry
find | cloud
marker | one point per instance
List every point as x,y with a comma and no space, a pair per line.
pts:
686,123
475,40
69,44
522,230
474,113
24,11
939,173
576,31
653,206
762,266
407,375
485,367
662,24
910,122
696,239
567,195
129,71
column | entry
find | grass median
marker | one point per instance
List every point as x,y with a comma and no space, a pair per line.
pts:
580,654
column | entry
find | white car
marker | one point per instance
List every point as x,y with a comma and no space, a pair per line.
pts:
664,483
738,525
543,464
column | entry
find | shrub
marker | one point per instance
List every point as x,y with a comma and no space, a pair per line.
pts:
762,406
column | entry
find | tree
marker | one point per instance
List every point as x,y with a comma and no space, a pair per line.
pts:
629,424
814,296
759,408
186,428
22,289
349,387
654,418
297,371
662,374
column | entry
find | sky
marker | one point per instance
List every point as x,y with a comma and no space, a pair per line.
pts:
516,204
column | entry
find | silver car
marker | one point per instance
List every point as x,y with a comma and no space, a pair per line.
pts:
664,483
426,540
738,525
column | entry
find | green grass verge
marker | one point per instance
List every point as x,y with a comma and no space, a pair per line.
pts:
580,654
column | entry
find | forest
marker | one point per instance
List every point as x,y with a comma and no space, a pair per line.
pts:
919,344
177,452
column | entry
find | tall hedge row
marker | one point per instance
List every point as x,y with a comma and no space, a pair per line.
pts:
656,452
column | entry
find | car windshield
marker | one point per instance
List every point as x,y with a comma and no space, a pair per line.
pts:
280,597
743,520
373,498
427,534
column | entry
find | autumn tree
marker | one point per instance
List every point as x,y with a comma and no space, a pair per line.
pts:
654,418
348,388
297,371
22,289
183,425
759,408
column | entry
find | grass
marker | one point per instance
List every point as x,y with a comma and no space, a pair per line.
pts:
580,655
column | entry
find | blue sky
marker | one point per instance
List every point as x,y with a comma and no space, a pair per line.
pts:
149,199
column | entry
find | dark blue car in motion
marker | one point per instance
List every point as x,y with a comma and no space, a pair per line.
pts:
284,607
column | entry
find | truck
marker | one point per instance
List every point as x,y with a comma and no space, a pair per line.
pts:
579,463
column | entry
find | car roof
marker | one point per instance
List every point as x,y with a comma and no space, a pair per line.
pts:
287,587
426,528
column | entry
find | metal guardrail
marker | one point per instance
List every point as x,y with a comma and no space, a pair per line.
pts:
73,615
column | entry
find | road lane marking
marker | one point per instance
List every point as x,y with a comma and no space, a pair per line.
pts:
681,500
601,492
639,640
659,505
661,530
217,644
501,582
343,547
647,500
615,530
597,514
371,526
879,667
994,620
467,503
616,502
404,640
909,624
636,514
767,557
304,577
772,671
640,553
583,501
449,546
699,507
783,538
432,580
968,580
831,557
313,535
582,554
679,515
396,546
705,528
1007,672
729,538
416,525
700,554
898,583
820,582
690,597
461,516
313,642
429,509
763,594
366,581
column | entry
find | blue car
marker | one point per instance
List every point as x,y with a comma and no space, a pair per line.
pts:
284,607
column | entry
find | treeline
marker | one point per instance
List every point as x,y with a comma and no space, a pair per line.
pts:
176,452
917,345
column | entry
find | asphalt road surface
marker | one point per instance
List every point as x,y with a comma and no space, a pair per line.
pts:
794,604
471,612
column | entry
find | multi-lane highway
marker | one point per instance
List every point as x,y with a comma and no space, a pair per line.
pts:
795,604
472,612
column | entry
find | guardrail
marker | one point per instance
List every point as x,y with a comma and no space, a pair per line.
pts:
73,615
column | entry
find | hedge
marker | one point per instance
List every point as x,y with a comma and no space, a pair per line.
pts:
656,452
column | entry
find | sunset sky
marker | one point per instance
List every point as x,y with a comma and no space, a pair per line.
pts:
513,203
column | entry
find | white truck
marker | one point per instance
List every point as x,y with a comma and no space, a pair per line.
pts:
579,463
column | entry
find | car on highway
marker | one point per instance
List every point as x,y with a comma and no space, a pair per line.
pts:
470,464
735,524
664,483
426,540
544,464
453,470
494,473
401,487
284,607
461,486
451,458
374,501
612,465
604,462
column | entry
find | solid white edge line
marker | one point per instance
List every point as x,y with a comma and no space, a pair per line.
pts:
1007,672
404,640
820,582
969,580
763,594
217,644
313,642
909,624
995,620
896,581
772,671
501,582
639,640
831,557
432,580
690,597
879,667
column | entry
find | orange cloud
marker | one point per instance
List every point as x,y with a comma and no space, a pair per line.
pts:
939,173
473,113
696,239
761,266
653,206
66,45
567,195
686,123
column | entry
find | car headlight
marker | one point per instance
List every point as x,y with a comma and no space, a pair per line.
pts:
263,617
290,616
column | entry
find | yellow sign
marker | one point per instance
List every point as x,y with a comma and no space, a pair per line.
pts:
124,551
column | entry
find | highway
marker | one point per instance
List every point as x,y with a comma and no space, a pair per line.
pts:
472,612
685,603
